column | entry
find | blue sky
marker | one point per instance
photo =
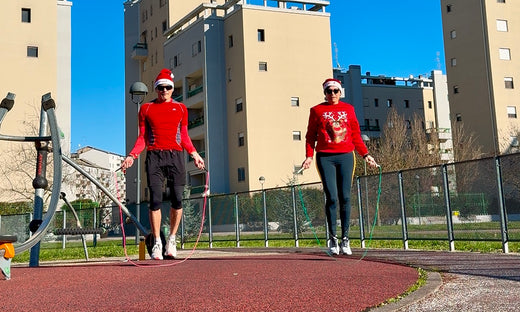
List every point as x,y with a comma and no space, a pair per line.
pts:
394,38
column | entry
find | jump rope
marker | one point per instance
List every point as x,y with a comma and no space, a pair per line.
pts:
304,208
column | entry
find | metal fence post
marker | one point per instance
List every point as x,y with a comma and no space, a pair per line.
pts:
501,202
295,219
64,237
237,224
360,208
403,211
210,229
449,220
266,225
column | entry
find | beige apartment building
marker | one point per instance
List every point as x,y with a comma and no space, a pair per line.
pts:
374,95
35,57
248,71
482,63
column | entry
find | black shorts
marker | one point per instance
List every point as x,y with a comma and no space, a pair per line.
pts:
165,165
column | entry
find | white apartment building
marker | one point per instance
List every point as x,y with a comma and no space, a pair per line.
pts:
101,165
482,64
246,73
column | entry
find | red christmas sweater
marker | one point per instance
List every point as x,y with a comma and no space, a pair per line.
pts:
163,126
333,129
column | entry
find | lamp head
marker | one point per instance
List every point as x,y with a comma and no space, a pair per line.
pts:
138,88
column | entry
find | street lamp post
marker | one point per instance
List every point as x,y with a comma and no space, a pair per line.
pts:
138,91
266,226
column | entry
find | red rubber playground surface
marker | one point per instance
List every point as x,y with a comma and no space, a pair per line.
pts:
258,282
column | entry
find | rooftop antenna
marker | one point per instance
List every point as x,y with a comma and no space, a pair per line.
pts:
338,66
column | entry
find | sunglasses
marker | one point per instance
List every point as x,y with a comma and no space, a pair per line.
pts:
330,91
162,88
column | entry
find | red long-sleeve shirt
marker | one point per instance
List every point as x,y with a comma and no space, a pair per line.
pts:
163,126
333,129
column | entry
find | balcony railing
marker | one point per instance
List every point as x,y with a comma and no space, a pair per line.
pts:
196,122
178,98
195,91
140,51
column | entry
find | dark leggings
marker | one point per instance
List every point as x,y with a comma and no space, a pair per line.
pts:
336,175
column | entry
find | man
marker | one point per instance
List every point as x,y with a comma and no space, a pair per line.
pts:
163,130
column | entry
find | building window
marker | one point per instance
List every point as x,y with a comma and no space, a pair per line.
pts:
389,103
501,25
511,111
229,74
261,35
295,101
458,117
230,41
508,81
455,89
408,124
406,104
241,174
26,15
162,3
296,136
164,26
501,1
262,66
376,102
175,61
514,141
367,124
238,105
241,139
449,7
453,34
377,124
32,51
504,54
453,62
430,106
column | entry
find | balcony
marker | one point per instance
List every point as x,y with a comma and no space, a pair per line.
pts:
196,122
140,51
178,98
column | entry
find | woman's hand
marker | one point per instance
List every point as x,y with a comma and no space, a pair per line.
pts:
307,163
371,161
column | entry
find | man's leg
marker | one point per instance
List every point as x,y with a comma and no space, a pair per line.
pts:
175,220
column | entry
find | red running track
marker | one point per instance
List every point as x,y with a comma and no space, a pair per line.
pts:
288,282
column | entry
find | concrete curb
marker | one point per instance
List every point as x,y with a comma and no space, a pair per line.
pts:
433,282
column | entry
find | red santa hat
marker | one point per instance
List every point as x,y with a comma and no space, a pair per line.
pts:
331,82
165,77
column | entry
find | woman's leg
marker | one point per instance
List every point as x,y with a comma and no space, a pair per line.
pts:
327,169
344,181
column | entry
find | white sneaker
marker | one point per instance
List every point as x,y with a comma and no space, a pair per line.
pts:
171,247
345,246
157,252
333,246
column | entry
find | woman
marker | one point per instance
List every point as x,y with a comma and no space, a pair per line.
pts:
333,131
